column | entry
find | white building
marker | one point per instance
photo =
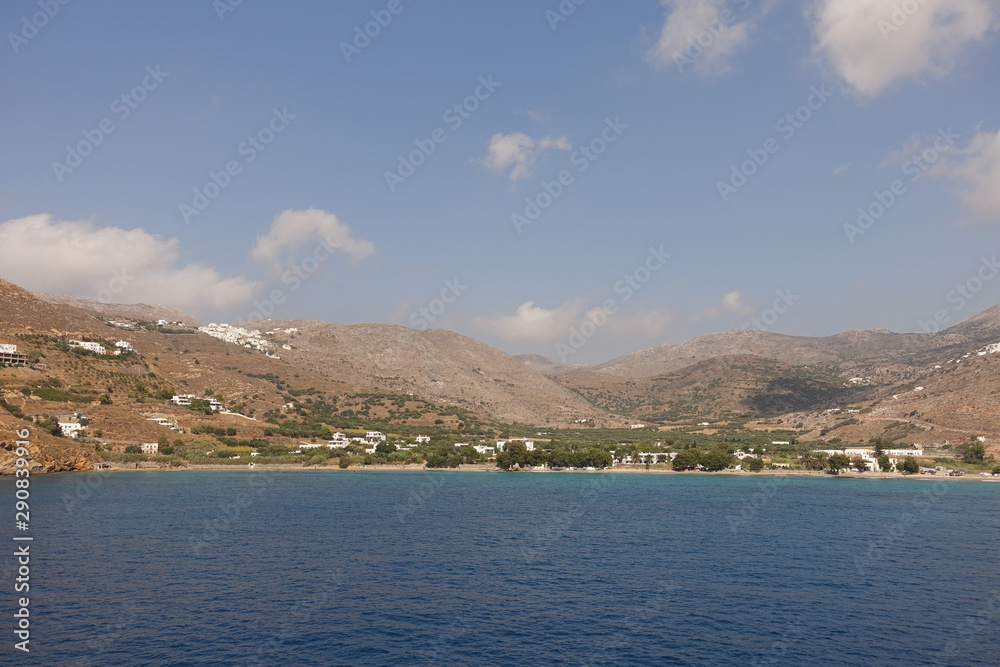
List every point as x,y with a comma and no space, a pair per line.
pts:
163,421
185,400
652,457
124,346
150,448
96,348
339,441
528,444
70,429
484,449
374,437
250,339
309,445
423,439
8,349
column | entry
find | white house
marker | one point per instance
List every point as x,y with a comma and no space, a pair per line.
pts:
423,439
309,445
150,448
528,444
70,429
339,441
185,399
96,348
484,449
124,346
163,421
374,437
655,457
162,323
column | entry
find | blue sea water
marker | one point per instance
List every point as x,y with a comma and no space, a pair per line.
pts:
468,568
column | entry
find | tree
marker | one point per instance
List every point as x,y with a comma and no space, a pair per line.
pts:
973,452
754,464
814,461
838,462
687,459
133,449
879,449
859,464
717,459
385,448
910,466
884,463
560,458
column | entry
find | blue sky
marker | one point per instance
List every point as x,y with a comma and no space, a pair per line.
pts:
199,81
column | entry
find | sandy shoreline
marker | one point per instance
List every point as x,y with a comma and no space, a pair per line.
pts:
627,470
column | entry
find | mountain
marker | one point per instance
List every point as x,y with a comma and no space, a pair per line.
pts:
852,349
921,387
724,387
439,365
134,311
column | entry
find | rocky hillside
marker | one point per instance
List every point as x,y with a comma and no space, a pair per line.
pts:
134,311
727,387
440,365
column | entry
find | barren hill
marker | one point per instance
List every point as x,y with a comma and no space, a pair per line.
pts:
843,351
440,365
135,311
726,387
20,310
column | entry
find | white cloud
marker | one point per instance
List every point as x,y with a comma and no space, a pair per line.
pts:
700,35
873,43
111,264
977,170
532,322
841,169
520,151
292,228
730,303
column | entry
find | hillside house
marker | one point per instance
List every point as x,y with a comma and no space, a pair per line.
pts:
150,448
71,429
124,347
90,346
10,355
339,441
529,444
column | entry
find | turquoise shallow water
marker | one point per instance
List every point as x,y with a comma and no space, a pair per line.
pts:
376,568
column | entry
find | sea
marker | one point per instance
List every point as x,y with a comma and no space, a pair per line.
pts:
252,567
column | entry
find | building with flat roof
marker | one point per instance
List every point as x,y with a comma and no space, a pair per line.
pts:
10,355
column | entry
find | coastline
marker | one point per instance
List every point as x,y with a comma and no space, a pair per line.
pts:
622,470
